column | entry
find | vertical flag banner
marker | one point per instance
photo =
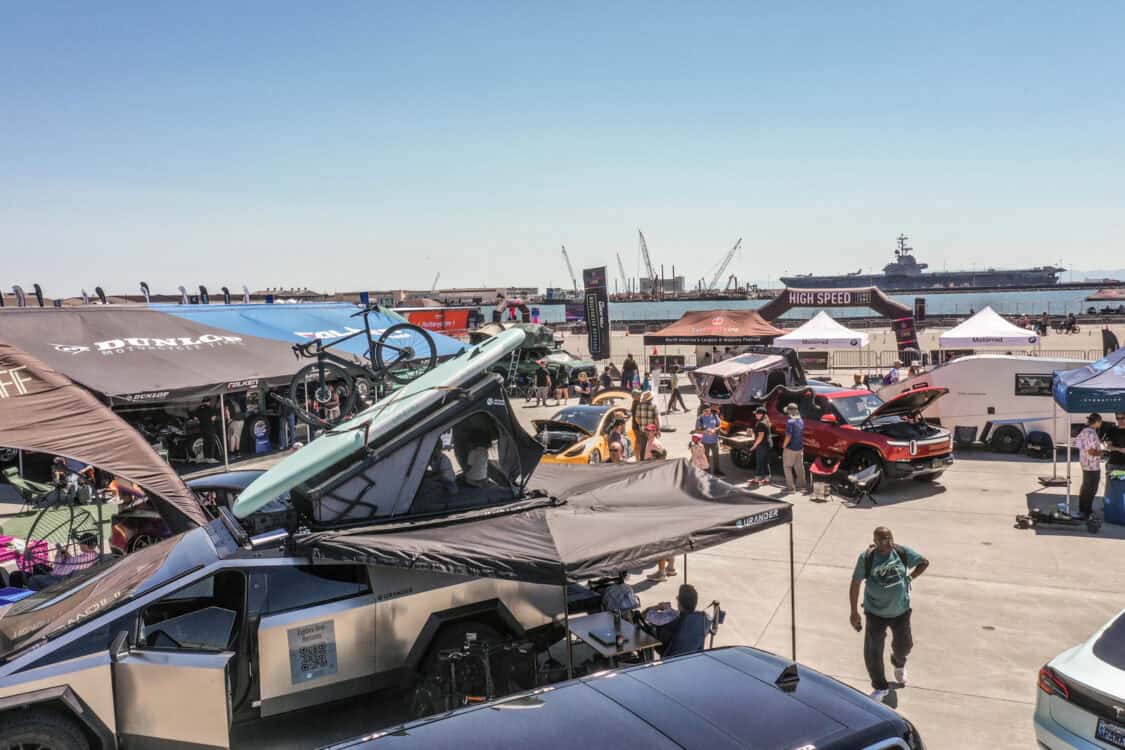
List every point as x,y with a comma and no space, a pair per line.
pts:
597,311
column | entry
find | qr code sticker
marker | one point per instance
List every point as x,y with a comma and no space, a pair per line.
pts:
312,651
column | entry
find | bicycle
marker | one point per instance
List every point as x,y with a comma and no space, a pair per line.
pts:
334,384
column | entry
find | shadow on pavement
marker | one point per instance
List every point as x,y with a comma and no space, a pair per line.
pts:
1045,501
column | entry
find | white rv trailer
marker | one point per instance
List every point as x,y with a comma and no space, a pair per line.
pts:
995,399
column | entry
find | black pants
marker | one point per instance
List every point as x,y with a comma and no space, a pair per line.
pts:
1090,482
713,456
676,398
901,644
642,444
627,379
762,460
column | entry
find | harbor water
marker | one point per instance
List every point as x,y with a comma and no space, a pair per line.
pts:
1014,302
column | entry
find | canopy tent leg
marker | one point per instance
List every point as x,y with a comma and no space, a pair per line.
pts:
1068,470
1054,450
223,425
792,595
685,567
19,455
566,627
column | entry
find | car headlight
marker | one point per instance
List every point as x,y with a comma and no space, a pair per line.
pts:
575,450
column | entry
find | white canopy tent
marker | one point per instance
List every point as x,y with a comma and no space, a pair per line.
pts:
987,328
822,332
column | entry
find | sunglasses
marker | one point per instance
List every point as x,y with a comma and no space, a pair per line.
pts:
614,450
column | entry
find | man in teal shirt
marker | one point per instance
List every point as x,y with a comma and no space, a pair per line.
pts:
888,569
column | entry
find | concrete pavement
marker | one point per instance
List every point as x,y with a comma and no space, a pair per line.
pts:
996,604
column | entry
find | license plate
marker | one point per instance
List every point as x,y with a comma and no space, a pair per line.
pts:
1112,733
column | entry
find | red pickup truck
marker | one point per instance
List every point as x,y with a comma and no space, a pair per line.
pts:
863,430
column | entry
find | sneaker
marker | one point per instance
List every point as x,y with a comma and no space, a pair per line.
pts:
879,695
900,675
671,573
657,576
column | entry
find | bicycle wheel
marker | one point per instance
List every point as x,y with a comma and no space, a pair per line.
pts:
404,352
315,388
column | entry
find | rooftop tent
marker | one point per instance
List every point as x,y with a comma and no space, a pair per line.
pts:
721,327
747,377
42,410
987,328
589,521
133,354
1096,387
822,332
302,322
536,336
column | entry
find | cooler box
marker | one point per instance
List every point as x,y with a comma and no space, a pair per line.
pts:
1114,510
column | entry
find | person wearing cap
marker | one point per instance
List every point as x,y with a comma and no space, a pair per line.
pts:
687,633
644,413
698,453
761,447
708,426
654,449
793,450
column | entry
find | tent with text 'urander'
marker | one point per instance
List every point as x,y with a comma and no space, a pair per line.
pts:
822,332
42,410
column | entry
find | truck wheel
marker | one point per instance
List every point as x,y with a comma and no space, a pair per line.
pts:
742,458
862,459
41,729
1007,439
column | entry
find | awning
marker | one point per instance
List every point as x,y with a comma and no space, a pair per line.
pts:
987,328
822,332
716,327
302,322
43,411
591,521
136,355
1096,387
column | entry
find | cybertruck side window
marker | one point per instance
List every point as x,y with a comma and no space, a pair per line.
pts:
290,587
200,617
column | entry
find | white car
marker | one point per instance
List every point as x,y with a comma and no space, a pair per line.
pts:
1081,698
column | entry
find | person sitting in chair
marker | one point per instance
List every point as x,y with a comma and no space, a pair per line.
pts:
688,632
65,564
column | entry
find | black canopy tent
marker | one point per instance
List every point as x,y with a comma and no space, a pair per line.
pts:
41,410
134,355
579,522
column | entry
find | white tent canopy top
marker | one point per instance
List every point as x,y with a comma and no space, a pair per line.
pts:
822,332
987,328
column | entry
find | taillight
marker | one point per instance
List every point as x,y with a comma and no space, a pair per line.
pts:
1051,684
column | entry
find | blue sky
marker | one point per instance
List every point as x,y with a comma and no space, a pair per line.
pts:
371,144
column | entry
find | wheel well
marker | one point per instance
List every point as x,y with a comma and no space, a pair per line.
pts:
863,447
63,702
492,612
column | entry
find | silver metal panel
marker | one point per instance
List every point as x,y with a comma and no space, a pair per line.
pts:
407,598
353,639
174,695
89,677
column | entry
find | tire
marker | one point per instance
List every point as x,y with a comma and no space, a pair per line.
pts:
41,729
862,458
309,377
595,457
140,541
409,359
1006,439
742,458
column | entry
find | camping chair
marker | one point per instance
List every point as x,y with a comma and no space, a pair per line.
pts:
823,473
863,482
32,492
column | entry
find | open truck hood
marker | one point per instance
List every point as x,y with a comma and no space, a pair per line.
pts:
910,402
378,423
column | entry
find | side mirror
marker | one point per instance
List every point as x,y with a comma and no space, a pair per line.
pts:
119,647
829,418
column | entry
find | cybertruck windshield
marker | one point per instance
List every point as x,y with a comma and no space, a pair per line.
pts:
89,593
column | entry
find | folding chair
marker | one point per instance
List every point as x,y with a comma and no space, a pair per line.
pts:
863,482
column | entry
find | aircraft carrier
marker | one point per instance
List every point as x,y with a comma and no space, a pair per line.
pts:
907,274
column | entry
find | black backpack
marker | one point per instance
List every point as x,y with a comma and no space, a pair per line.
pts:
871,552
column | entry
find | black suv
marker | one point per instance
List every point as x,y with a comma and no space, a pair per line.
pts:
736,697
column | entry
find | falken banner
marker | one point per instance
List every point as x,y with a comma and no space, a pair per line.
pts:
597,311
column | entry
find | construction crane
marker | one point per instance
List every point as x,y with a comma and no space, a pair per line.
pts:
648,263
570,269
723,265
624,276
433,286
